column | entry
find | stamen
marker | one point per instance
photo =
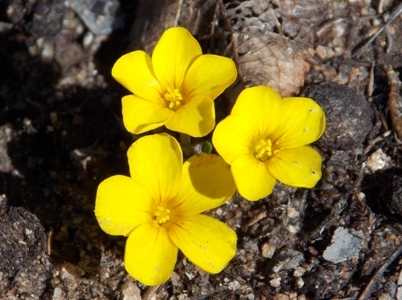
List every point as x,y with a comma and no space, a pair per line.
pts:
174,99
161,215
263,149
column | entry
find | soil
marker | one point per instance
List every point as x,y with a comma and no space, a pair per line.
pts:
61,134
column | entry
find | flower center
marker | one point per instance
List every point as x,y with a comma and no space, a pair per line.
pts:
263,149
174,99
161,215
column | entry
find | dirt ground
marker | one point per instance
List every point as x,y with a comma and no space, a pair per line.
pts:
61,134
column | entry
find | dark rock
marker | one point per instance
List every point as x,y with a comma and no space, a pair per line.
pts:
349,115
47,19
100,16
22,239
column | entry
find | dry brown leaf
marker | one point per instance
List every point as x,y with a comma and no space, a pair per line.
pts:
269,40
271,59
272,40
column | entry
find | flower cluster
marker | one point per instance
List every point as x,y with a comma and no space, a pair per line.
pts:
160,206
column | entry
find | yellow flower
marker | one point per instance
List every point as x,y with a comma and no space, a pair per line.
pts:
159,208
175,88
264,139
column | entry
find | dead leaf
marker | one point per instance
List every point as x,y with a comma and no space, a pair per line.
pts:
271,59
272,40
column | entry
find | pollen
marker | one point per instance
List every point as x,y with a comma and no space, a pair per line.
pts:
263,149
173,99
161,215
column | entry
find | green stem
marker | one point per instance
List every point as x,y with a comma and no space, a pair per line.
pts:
185,141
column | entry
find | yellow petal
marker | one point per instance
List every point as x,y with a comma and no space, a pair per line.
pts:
206,183
299,167
173,55
233,137
196,118
134,71
253,179
121,205
303,122
140,115
261,107
206,242
150,255
209,75
156,163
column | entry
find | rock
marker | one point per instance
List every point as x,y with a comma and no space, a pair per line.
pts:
98,15
24,265
349,115
130,290
344,246
22,239
288,260
378,160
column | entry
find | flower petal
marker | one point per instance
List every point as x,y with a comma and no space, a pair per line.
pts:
299,167
172,56
134,71
209,75
253,179
150,255
206,242
233,137
304,122
156,162
260,106
121,205
206,183
196,118
140,115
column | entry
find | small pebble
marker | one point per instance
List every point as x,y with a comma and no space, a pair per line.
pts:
299,282
292,213
130,291
57,293
281,297
268,250
385,297
299,272
344,246
276,282
378,160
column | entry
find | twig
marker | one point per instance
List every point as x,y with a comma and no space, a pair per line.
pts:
369,287
375,140
379,6
49,241
393,16
336,211
151,291
370,85
177,17
232,40
395,103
